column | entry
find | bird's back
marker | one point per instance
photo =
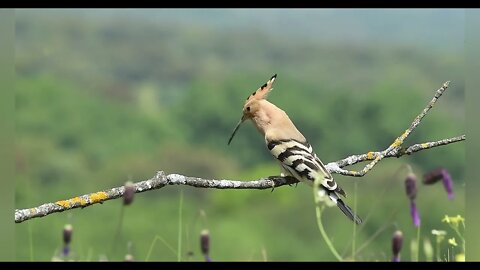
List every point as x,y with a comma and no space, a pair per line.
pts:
289,146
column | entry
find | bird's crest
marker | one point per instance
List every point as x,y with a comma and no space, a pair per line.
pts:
262,92
259,94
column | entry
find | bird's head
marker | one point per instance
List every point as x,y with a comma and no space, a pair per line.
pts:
254,104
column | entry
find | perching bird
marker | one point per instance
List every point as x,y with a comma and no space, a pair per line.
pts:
289,146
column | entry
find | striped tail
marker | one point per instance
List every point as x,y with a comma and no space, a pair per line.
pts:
345,208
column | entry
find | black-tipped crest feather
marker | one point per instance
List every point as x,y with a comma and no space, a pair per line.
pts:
263,90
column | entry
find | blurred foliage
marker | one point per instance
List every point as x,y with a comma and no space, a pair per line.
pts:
103,101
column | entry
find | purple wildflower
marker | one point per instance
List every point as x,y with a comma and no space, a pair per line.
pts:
66,250
411,190
397,242
414,213
447,183
67,234
433,176
411,186
205,244
67,238
438,174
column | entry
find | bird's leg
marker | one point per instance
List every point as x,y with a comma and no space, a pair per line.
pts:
273,178
283,175
286,174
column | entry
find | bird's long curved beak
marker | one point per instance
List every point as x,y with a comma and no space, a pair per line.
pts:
236,128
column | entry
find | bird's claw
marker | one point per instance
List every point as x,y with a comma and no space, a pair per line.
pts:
272,178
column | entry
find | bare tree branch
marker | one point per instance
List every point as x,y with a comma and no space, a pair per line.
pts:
336,167
397,144
161,180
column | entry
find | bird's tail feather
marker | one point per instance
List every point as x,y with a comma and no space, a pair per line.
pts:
345,208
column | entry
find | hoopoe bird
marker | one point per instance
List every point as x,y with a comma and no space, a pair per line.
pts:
289,146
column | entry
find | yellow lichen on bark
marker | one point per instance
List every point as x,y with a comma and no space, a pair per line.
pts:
63,203
98,197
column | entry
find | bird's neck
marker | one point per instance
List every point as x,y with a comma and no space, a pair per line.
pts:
274,124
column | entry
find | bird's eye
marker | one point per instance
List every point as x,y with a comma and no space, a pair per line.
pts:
248,108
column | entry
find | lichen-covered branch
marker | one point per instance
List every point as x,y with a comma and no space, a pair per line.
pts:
336,167
161,180
397,144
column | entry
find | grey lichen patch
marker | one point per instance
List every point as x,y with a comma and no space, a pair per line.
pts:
176,179
333,167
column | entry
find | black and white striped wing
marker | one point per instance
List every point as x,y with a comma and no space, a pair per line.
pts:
301,162
298,159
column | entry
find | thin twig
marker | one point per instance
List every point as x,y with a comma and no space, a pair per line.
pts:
397,144
336,166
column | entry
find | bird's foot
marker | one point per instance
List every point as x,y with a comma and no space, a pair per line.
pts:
273,178
292,185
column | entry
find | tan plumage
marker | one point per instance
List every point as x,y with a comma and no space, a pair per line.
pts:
287,144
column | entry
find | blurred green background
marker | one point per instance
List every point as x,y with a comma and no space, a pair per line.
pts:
106,96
